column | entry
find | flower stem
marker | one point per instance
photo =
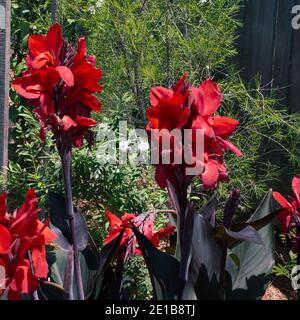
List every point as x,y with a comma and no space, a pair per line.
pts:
298,258
222,280
65,153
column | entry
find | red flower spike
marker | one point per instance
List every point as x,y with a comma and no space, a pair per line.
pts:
185,107
289,209
60,82
22,234
128,242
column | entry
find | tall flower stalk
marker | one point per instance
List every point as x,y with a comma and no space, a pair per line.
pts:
186,107
289,216
60,82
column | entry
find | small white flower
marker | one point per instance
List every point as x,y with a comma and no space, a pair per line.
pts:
124,146
92,10
99,3
143,146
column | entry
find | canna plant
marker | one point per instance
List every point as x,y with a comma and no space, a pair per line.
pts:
289,216
213,260
60,82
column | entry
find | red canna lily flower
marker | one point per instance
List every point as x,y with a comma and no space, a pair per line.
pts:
289,208
117,225
144,223
60,83
22,247
45,50
155,237
186,107
169,110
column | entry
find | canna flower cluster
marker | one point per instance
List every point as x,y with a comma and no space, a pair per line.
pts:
144,223
289,215
60,83
186,107
23,238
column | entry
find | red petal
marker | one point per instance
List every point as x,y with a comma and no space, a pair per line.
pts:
209,97
92,60
169,114
126,218
224,126
111,236
20,84
5,240
39,262
47,234
24,281
31,196
67,123
210,176
54,39
113,219
284,218
77,141
91,102
86,122
148,228
180,84
230,146
201,123
84,73
67,75
47,105
42,59
296,188
158,93
282,201
37,44
165,232
81,51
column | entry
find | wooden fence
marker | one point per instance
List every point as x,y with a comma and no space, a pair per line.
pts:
269,45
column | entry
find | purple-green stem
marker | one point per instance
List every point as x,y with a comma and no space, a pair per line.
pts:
66,157
298,258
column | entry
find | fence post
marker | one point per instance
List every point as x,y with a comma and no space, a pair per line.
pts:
54,11
5,7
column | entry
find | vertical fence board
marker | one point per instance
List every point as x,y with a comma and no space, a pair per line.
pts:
283,50
258,42
294,76
4,78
